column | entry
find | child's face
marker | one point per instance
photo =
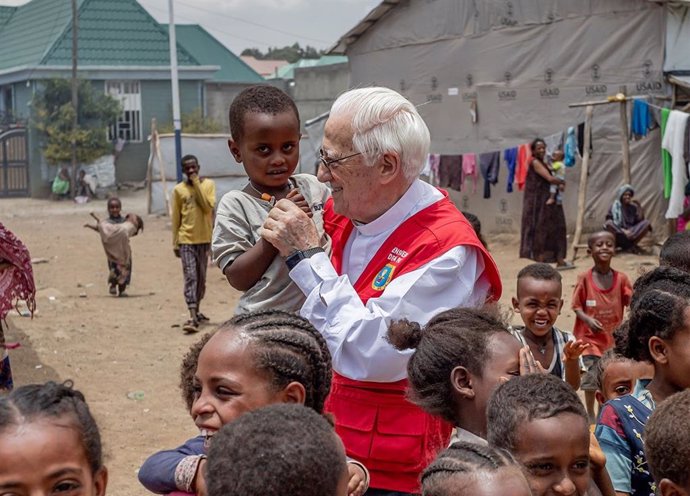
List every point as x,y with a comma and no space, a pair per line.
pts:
47,457
557,155
554,453
114,208
502,365
539,303
227,383
269,148
618,380
507,481
190,168
602,247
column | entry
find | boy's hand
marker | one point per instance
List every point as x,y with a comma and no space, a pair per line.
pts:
176,251
528,364
594,324
357,483
596,455
298,199
573,350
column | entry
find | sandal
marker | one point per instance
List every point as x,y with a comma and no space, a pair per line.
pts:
112,290
565,266
202,317
191,326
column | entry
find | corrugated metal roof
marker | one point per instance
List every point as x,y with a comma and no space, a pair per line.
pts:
5,14
362,26
288,71
116,32
111,33
209,51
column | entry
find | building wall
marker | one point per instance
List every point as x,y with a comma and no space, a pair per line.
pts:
218,97
316,88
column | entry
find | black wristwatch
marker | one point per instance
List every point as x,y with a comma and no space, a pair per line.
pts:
294,258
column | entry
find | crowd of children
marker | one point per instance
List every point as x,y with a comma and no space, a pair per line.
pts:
256,387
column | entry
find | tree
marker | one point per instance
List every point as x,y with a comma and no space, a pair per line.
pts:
291,53
193,123
52,117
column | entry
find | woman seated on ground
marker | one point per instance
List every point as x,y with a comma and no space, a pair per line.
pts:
626,220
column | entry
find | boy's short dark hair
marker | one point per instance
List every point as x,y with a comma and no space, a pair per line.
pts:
526,398
667,440
189,157
260,99
540,272
594,235
277,450
675,252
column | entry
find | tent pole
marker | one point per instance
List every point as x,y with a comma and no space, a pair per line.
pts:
584,173
625,144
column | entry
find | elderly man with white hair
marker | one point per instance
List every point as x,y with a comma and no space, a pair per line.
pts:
401,250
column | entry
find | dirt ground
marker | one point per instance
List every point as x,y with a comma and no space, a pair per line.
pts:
124,353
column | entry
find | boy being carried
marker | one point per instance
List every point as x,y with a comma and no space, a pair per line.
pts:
558,169
599,300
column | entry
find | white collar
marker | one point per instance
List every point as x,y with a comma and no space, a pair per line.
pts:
392,217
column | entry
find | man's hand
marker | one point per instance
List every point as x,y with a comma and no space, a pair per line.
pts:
289,229
176,251
298,199
357,482
200,479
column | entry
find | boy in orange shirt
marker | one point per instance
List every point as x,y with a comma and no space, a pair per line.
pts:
600,297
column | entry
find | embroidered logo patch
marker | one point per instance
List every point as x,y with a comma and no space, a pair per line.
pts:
383,277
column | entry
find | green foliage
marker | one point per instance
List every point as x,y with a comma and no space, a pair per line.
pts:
53,115
290,53
194,123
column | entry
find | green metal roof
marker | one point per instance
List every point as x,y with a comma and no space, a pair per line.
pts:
209,51
111,33
288,71
5,14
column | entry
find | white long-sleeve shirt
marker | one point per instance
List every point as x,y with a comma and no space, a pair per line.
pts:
356,332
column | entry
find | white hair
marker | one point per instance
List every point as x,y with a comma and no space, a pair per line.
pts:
384,121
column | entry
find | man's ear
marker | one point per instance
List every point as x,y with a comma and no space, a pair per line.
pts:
658,349
235,150
461,379
390,166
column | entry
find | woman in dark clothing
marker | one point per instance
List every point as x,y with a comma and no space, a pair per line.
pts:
543,237
626,220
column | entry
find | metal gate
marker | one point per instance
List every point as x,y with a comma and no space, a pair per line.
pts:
14,163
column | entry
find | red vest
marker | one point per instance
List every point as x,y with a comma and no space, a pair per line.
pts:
395,439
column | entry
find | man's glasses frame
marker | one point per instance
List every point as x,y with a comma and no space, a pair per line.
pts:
328,164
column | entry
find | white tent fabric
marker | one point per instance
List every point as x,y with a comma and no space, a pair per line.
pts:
519,65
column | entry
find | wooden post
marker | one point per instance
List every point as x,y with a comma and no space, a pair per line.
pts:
149,167
161,166
625,144
582,191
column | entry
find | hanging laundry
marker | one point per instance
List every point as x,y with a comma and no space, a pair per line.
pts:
686,146
666,156
489,164
469,168
431,168
553,142
570,148
524,154
510,158
673,141
581,140
450,172
641,119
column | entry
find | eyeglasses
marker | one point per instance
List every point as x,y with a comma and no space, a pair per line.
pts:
328,164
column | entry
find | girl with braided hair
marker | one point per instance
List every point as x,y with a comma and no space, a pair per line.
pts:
251,361
658,331
49,443
467,469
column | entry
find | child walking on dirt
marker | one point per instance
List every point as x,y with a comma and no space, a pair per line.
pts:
115,239
599,300
265,129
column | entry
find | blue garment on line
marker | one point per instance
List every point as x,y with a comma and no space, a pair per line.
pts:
489,163
641,119
510,158
570,148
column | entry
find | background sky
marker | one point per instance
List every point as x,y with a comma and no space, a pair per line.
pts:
241,24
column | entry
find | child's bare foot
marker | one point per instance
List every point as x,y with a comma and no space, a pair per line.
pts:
550,201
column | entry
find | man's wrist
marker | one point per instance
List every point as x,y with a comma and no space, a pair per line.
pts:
297,256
